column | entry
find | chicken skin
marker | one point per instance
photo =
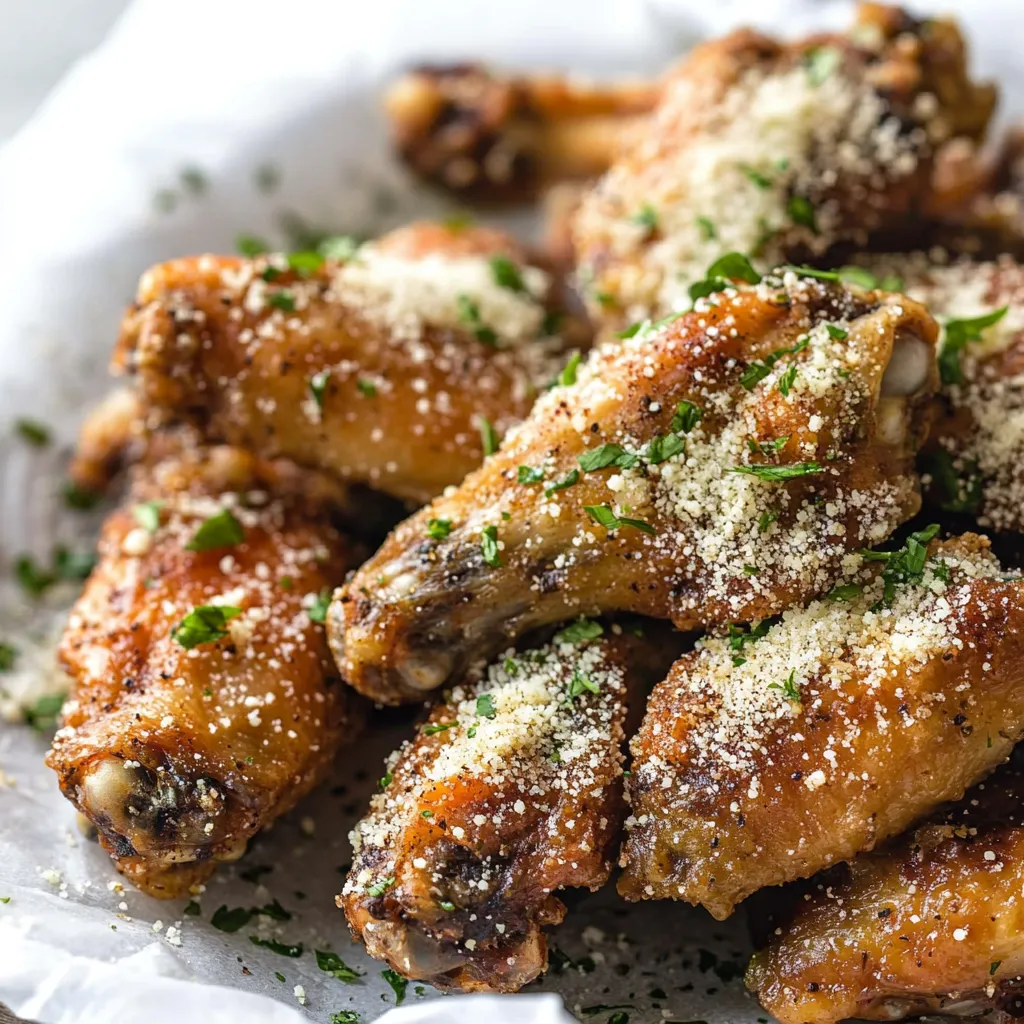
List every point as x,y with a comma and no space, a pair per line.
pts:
488,137
712,469
769,754
511,790
780,151
204,702
396,367
932,923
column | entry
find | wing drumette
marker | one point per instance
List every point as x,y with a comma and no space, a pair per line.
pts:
204,702
932,923
778,150
499,138
384,368
769,754
709,470
511,790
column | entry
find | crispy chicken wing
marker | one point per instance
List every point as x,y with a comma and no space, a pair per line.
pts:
385,368
112,436
204,702
498,138
780,151
769,754
511,790
712,469
932,923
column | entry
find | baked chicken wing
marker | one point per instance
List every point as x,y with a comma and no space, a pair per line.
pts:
781,151
386,368
490,137
713,469
932,923
771,753
204,702
511,790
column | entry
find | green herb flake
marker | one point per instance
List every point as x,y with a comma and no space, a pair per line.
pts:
338,247
836,333
801,212
8,655
438,529
221,530
192,909
318,609
205,624
506,274
231,920
604,516
661,449
787,380
345,1017
606,455
821,63
961,494
529,475
489,546
761,180
489,439
469,314
332,964
281,948
433,730
42,715
568,375
366,387
5,899
381,887
707,229
845,592
768,447
686,417
283,300
646,217
33,432
789,688
77,498
579,632
305,263
397,983
957,335
766,520
741,636
318,387
251,246
779,472
446,905
993,967
580,684
386,780
485,706
570,478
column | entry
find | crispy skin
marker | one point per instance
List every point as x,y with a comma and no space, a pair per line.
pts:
488,137
932,923
209,341
112,435
418,612
179,757
779,150
530,803
737,786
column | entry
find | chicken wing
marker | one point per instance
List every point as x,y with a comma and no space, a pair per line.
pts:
499,138
713,469
396,367
780,151
933,923
769,754
511,790
204,702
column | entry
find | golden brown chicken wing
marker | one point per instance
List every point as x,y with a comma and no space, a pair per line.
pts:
511,790
771,753
709,470
499,138
780,151
204,702
395,367
932,923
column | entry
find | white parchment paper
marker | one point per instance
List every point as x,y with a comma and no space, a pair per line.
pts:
196,121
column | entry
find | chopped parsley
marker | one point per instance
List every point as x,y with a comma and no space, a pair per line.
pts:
762,181
768,447
836,333
579,631
801,212
345,1017
707,229
905,565
78,498
8,654
469,314
821,62
192,909
231,920
205,624
366,387
580,684
147,515
338,247
740,636
766,520
381,887
606,455
653,326
386,780
438,529
761,368
221,530
33,432
529,475
957,335
305,263
433,730
507,274
733,266
570,478
64,565
803,271
446,905
845,592
489,546
961,494
43,714
489,439
993,967
397,983
660,449
787,380
251,245
318,387
604,516
568,375
283,300
789,688
332,964
686,417
779,472
646,217
281,948
318,609
485,706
